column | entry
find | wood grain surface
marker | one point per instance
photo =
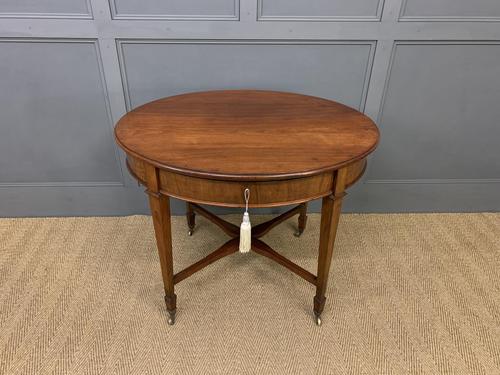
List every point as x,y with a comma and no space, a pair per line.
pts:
247,135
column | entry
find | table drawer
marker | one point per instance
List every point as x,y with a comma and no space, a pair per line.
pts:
230,193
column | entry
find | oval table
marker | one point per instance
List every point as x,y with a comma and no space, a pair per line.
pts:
208,147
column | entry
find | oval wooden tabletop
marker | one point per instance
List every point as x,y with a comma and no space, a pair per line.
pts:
247,134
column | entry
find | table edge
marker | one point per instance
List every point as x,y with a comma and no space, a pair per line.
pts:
247,177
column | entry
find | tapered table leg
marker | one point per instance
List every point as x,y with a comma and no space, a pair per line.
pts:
190,216
302,219
330,214
160,210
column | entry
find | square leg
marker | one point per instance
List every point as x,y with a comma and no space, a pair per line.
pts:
190,217
330,215
160,210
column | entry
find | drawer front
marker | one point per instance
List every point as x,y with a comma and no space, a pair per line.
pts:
230,193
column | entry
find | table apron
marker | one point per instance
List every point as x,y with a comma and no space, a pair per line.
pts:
230,193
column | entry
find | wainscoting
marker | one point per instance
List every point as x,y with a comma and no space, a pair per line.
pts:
426,70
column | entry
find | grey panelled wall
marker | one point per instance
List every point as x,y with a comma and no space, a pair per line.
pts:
46,9
174,9
334,70
46,115
477,10
332,10
426,70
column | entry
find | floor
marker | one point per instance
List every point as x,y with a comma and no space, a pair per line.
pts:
408,294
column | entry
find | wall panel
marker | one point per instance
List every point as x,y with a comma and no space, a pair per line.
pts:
175,9
442,126
450,10
45,9
334,70
56,128
320,10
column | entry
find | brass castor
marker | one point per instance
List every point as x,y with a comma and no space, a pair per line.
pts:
190,232
317,320
171,318
297,233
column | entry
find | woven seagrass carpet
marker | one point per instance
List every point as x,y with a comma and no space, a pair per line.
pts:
408,294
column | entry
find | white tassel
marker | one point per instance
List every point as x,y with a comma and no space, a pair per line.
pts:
246,228
245,234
